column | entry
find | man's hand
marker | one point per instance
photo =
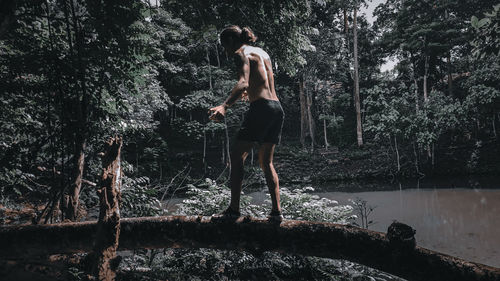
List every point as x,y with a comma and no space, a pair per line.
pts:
244,96
217,113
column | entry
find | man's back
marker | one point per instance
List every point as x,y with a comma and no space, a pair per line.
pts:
261,80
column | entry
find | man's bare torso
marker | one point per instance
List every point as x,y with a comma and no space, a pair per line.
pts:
261,80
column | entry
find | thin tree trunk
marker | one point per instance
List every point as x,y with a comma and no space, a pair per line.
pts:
426,70
209,69
416,158
494,127
415,83
217,55
227,147
136,159
357,101
310,120
397,152
303,111
346,31
161,170
416,95
204,145
49,119
223,152
450,80
433,155
62,197
73,200
346,26
324,132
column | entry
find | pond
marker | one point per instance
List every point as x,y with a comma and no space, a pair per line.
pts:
458,217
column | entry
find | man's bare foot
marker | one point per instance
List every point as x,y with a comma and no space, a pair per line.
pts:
275,216
228,213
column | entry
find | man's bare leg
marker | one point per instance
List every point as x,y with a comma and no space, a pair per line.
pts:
238,156
266,153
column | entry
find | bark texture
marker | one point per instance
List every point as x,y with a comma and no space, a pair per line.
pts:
255,235
108,226
357,100
310,119
303,111
72,202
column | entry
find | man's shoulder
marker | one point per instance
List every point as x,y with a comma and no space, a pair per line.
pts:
247,50
240,57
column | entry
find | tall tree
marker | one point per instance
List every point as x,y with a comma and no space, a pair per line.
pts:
357,101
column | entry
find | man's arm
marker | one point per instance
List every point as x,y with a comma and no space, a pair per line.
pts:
243,68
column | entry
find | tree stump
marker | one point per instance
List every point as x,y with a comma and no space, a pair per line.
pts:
104,256
401,236
402,243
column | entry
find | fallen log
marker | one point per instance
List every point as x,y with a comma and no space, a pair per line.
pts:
254,235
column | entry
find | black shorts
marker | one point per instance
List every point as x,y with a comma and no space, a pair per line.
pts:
263,122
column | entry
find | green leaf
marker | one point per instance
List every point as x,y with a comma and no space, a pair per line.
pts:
474,21
483,22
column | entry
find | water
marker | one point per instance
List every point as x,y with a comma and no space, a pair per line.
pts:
461,219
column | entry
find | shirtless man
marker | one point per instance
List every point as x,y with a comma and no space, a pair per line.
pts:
262,122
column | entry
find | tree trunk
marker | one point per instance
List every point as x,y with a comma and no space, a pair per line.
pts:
426,70
397,152
371,248
346,31
494,127
204,145
217,55
450,80
324,133
415,84
81,102
416,158
108,226
209,69
73,201
433,155
346,24
228,153
303,111
357,102
223,153
310,119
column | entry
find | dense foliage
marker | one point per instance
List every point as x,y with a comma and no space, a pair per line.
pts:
73,73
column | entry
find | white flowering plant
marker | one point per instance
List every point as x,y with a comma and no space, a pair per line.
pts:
211,198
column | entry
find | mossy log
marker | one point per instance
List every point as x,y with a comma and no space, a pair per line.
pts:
255,235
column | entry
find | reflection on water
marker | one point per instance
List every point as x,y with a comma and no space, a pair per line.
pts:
457,221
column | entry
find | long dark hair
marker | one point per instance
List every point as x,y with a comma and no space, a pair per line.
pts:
242,35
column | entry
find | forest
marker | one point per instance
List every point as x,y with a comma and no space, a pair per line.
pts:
76,73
